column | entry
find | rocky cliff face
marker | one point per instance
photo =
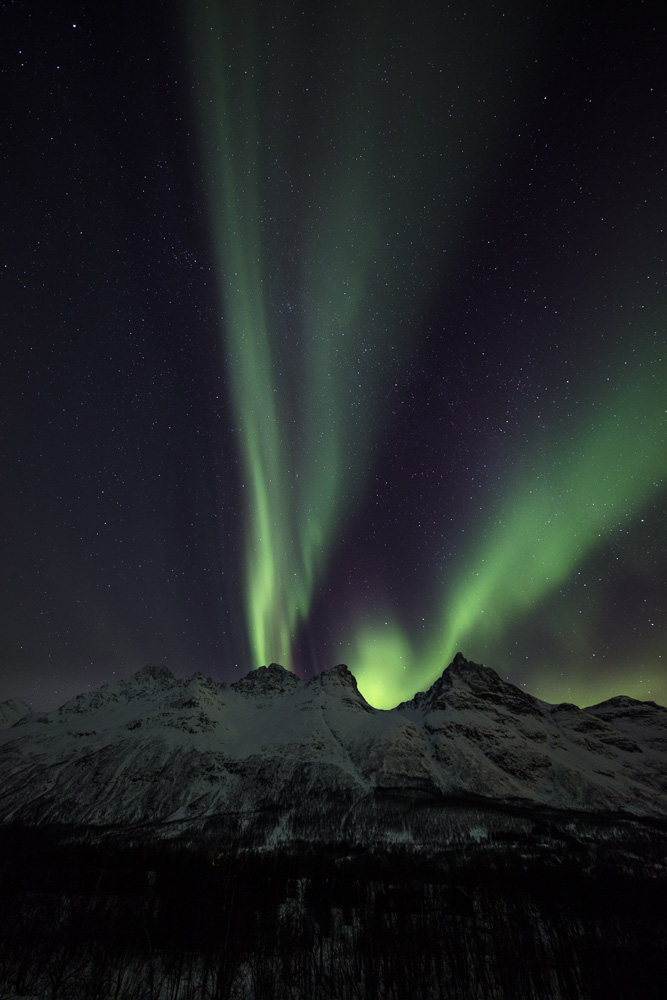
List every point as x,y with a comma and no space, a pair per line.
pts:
285,757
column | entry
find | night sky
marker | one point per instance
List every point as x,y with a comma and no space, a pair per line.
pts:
334,332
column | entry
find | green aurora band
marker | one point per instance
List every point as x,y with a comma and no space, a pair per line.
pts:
561,510
329,247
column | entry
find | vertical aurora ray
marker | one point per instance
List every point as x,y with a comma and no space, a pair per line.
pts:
570,498
229,121
339,163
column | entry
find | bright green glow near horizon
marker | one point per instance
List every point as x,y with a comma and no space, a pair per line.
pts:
327,200
565,504
385,664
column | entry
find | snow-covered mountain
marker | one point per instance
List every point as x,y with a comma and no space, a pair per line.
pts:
291,757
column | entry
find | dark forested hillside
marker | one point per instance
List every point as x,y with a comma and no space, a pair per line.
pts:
542,917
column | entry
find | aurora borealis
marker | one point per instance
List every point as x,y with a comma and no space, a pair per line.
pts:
561,513
337,333
309,314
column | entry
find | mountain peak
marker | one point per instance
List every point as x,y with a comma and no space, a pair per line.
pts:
476,675
464,681
335,677
153,672
340,674
274,679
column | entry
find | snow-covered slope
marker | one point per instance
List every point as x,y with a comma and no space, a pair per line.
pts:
296,754
11,711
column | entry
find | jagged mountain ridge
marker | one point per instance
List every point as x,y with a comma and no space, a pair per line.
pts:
185,753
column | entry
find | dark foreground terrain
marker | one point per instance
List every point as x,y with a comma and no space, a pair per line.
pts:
544,915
